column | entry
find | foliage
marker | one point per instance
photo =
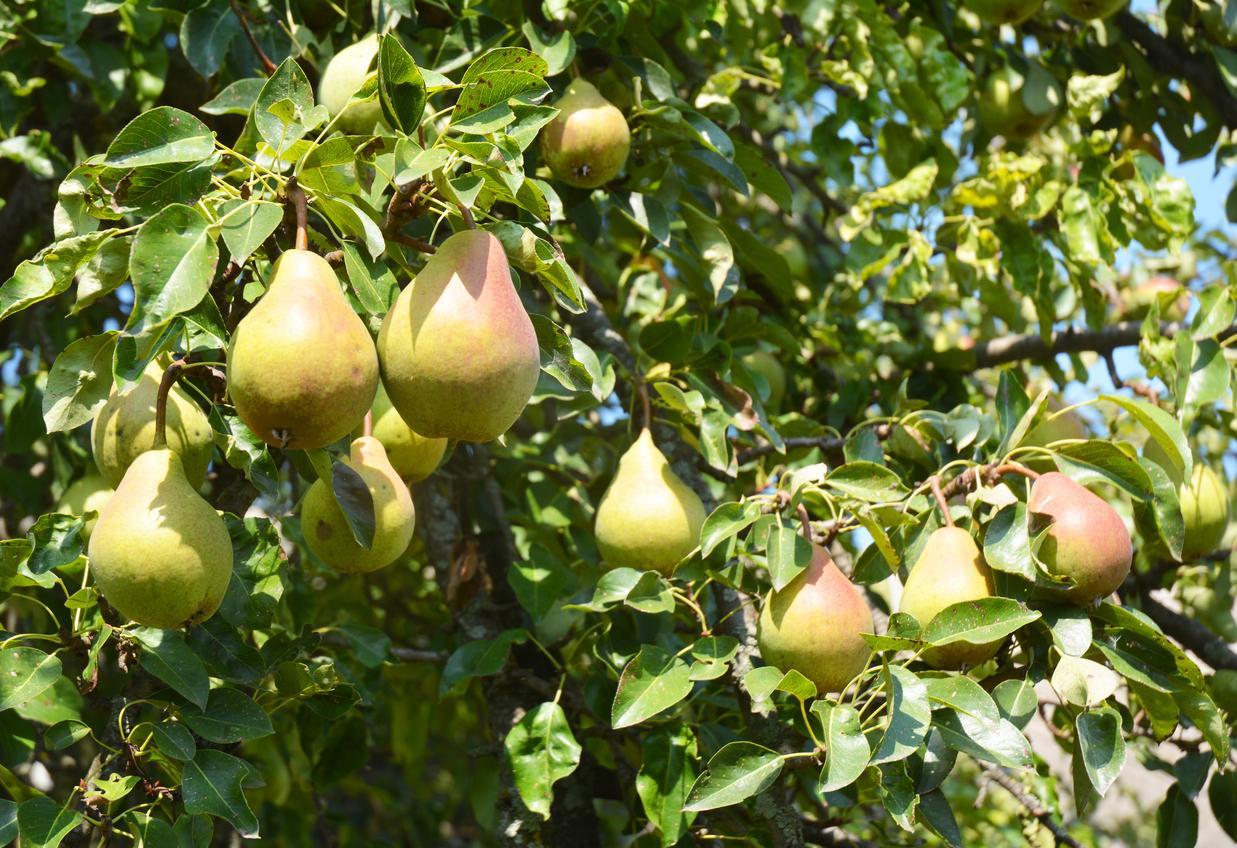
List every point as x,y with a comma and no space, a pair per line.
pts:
808,179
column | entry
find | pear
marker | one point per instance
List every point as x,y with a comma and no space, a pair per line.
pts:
1016,105
765,364
1087,542
326,529
413,456
160,554
302,370
1004,11
949,570
125,428
87,494
1055,427
343,77
815,625
648,518
1204,508
1174,299
586,144
1092,10
458,352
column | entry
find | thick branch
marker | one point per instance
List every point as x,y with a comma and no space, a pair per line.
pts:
1044,816
1174,56
1192,634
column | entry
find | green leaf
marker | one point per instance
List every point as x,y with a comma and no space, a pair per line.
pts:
1007,546
78,383
478,658
65,733
42,823
1083,682
114,787
1164,429
1017,701
788,555
281,113
996,741
206,33
725,522
50,273
652,682
910,715
846,748
541,751
24,674
167,657
230,716
866,481
494,87
1103,749
665,779
715,252
1221,792
978,622
735,773
237,99
174,740
161,136
212,786
375,286
401,88
1176,821
8,821
245,224
172,265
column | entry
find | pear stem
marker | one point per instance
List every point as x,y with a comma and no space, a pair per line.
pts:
805,521
642,388
300,203
466,214
161,401
935,483
367,426
1015,468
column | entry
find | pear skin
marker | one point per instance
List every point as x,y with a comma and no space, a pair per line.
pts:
413,456
159,553
458,351
648,518
950,570
326,529
343,77
1204,508
302,370
87,494
815,625
125,428
1087,542
587,143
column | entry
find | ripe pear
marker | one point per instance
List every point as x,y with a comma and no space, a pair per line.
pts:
343,77
586,144
125,428
1016,105
413,456
326,529
815,625
160,554
648,518
1004,11
1087,542
87,494
950,570
1092,10
302,370
458,352
1204,508
765,364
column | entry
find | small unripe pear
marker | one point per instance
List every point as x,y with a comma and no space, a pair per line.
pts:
326,528
1004,11
87,494
1092,10
1087,542
950,570
1005,104
302,370
343,77
160,554
815,625
1204,508
413,456
125,428
766,364
587,143
648,518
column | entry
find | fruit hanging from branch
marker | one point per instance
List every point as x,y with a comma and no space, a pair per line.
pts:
343,77
1087,542
586,145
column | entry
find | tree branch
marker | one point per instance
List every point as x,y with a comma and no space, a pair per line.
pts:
998,776
1192,634
268,66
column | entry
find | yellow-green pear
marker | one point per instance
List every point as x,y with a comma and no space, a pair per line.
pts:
1092,10
1017,105
125,428
458,351
1204,508
1004,11
413,456
768,366
648,518
1087,541
586,144
343,77
160,554
86,494
326,528
1056,425
302,370
949,570
815,625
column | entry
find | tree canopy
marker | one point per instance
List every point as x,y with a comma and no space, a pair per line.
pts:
854,291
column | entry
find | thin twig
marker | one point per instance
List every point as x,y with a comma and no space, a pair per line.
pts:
268,66
466,214
1013,468
416,244
805,521
1041,813
935,483
161,400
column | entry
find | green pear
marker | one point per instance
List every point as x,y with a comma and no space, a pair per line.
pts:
1087,542
815,625
87,494
587,143
343,77
1018,106
159,553
458,351
326,529
1056,426
768,366
125,428
413,456
950,570
1092,10
1004,11
1204,508
302,370
648,518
